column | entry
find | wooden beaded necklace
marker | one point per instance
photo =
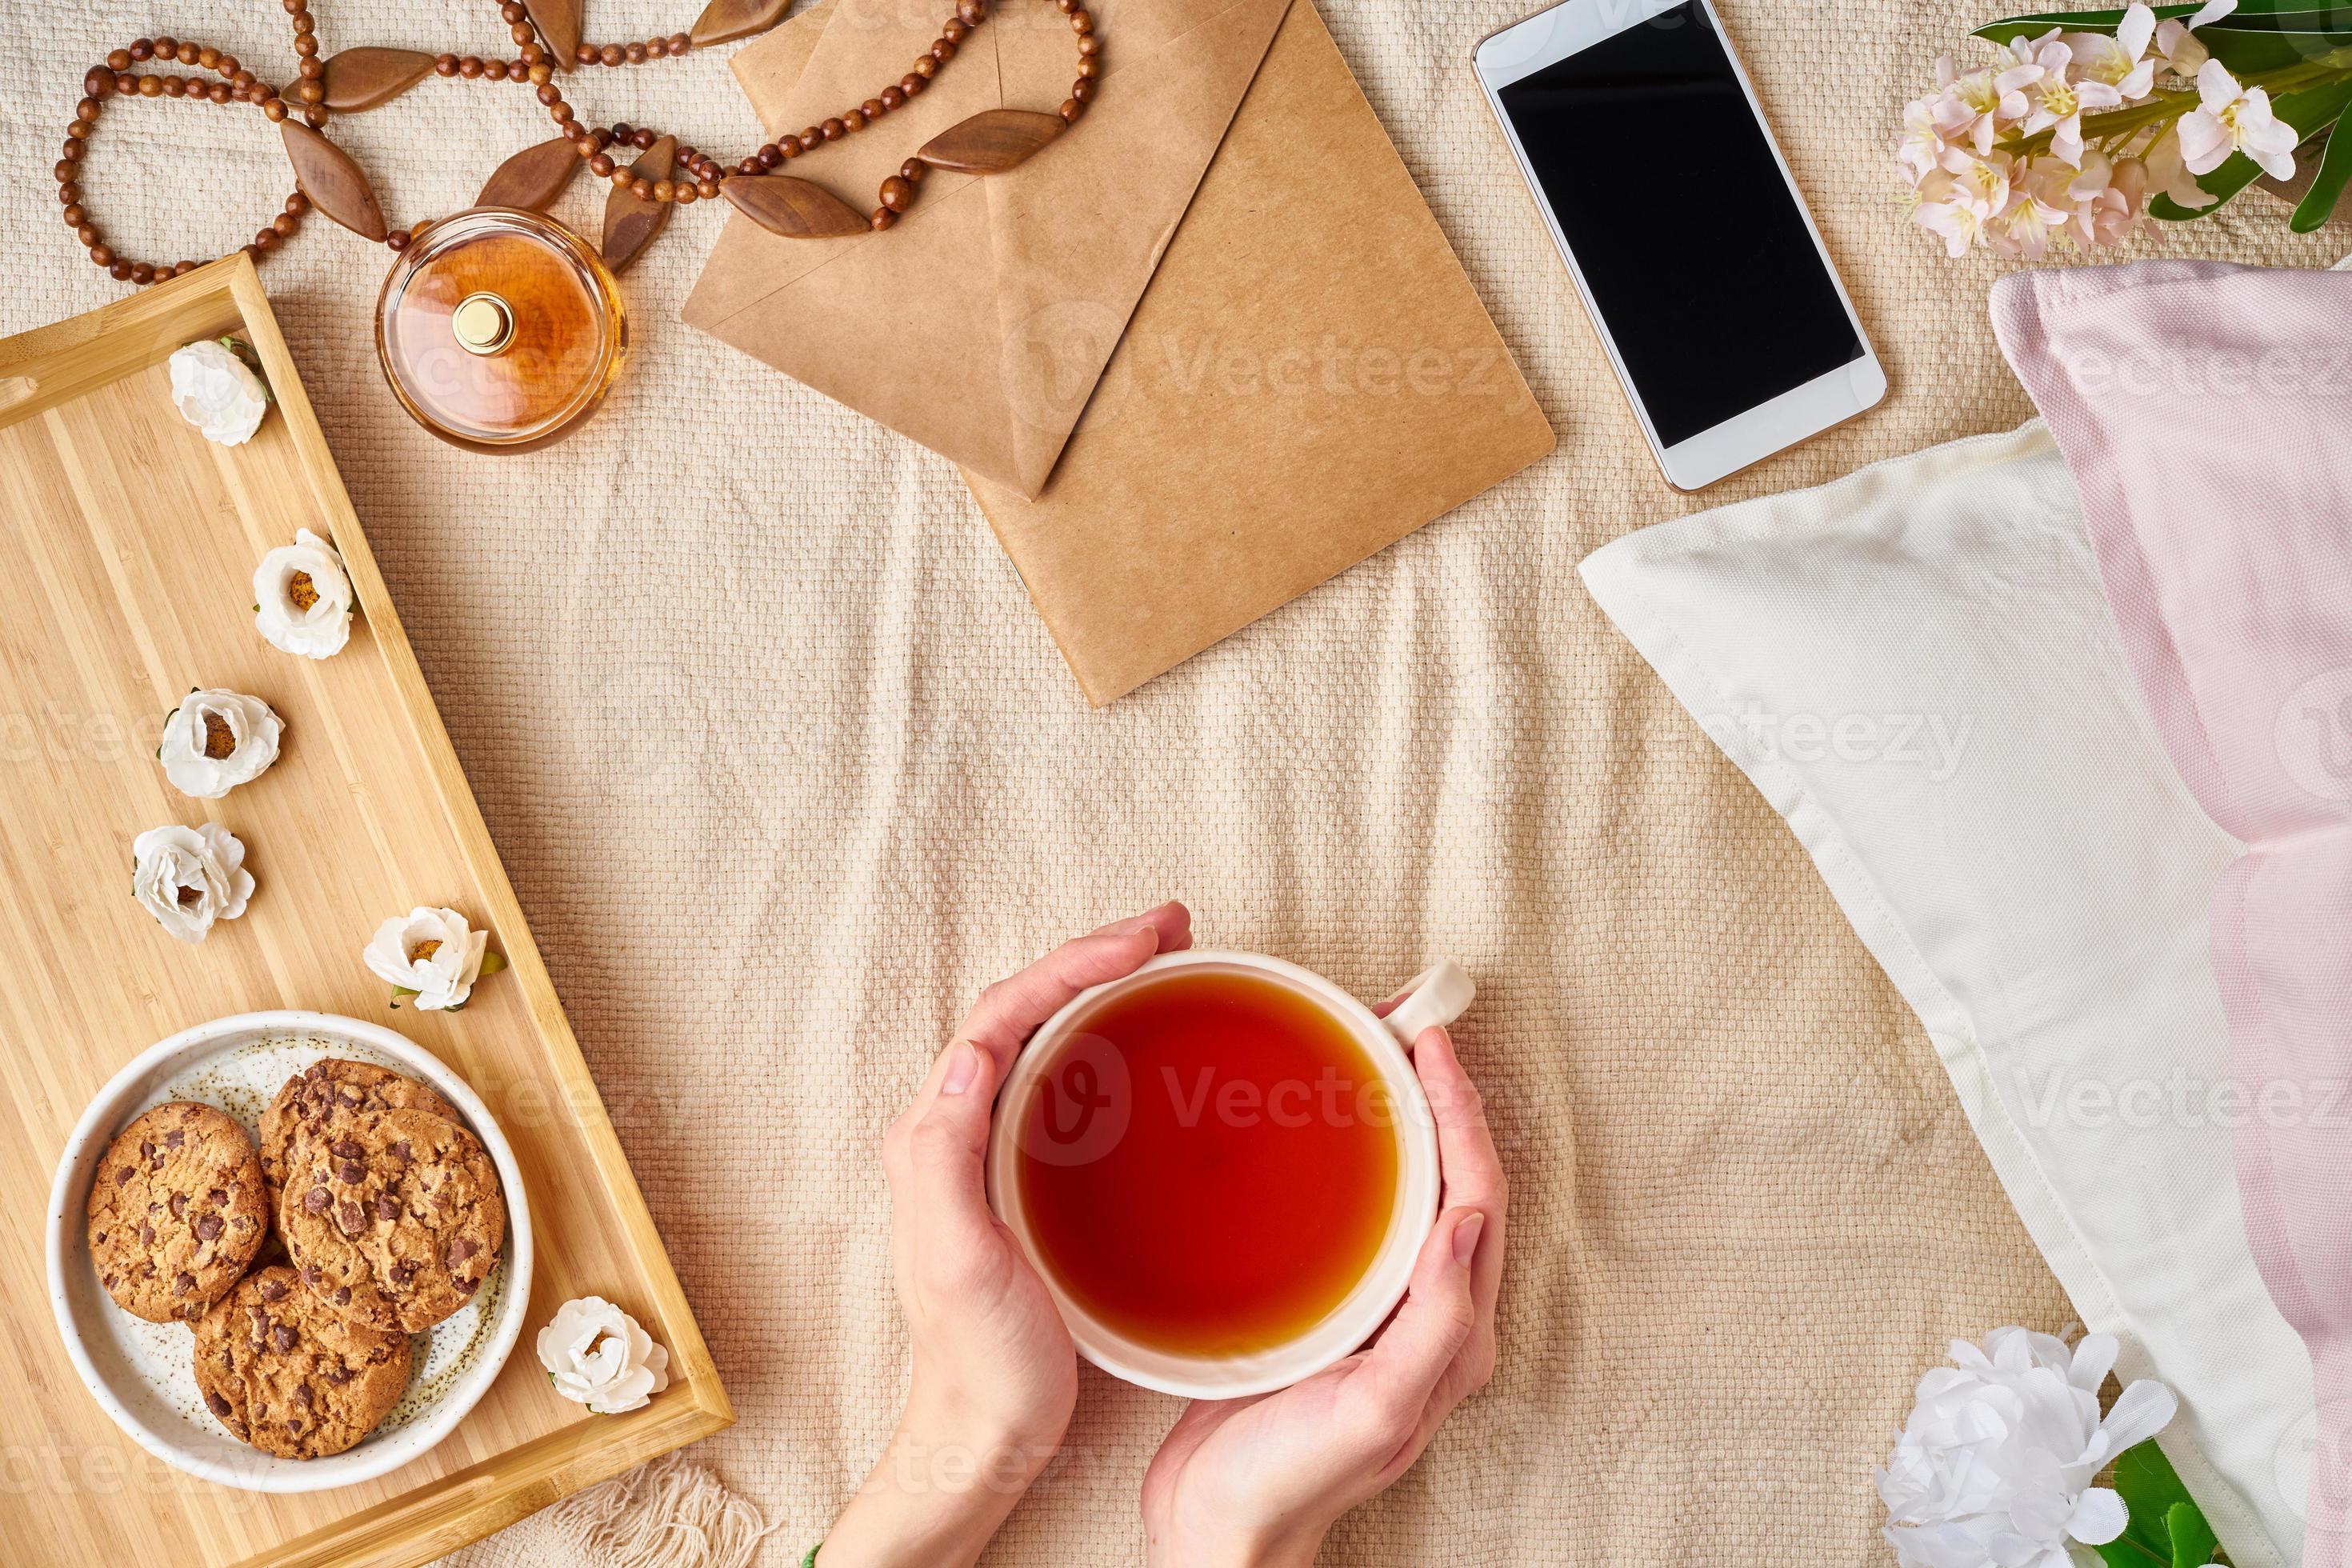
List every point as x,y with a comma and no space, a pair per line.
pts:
547,34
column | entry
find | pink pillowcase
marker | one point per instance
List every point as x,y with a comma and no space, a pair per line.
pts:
2206,413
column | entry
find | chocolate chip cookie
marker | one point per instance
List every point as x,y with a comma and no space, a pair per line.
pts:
395,1220
289,1376
326,1096
176,1212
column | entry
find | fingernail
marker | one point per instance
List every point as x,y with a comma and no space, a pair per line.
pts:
1465,1238
963,1065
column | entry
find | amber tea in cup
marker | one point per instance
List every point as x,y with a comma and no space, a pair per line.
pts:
1209,1163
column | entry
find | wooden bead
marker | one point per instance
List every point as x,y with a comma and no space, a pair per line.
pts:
88,234
298,204
684,194
513,11
522,33
470,66
229,67
70,193
642,188
644,138
811,137
611,55
126,86
101,256
143,49
120,271
853,120
656,49
942,51
76,216
398,239
65,170
972,11
913,169
142,273
601,166
284,225
954,31
623,179
585,55
1089,68
832,130
265,239
893,97
314,118
151,87
310,93
769,156
634,54
925,66
98,84
1081,23
706,189
1090,44
911,84
1071,110
1083,90
118,60
679,43
275,110
884,217
873,109
897,192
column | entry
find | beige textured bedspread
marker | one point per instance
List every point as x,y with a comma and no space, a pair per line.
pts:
785,768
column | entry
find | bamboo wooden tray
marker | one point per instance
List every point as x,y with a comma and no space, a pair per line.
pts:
127,549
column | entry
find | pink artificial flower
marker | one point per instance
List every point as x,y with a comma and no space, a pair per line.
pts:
1976,107
2120,62
2184,54
2234,118
2108,199
2168,171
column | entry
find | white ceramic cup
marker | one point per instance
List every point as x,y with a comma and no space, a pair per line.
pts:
1437,995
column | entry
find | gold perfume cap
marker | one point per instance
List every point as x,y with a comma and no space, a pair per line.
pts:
483,324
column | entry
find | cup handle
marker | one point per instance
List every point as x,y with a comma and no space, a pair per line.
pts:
1432,998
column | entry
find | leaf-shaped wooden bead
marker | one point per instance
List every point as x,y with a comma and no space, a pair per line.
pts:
990,142
333,182
361,78
558,21
532,177
725,20
630,221
794,208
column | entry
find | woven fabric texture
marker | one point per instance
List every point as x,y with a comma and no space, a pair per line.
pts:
784,769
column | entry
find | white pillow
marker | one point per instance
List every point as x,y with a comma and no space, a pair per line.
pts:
1917,666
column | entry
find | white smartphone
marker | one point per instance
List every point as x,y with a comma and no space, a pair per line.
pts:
1682,228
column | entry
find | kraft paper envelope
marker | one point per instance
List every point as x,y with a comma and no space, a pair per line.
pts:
1309,378
933,328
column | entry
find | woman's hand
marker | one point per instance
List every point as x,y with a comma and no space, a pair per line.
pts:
995,1375
1245,1483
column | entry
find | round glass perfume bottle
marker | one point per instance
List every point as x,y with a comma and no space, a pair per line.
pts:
500,330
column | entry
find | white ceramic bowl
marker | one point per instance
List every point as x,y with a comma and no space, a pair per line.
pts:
1440,993
142,1374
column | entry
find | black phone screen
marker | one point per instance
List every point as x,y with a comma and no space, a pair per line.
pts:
1681,221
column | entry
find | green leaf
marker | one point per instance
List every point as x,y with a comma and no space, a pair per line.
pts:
2040,22
2309,112
2328,184
2192,1539
493,961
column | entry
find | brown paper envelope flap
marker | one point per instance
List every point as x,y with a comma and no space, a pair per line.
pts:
1118,186
855,335
1075,249
1284,403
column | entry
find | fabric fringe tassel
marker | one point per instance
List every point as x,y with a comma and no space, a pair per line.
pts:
665,1514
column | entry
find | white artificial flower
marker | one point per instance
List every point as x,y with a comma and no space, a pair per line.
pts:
302,598
188,877
216,740
218,392
433,953
2184,53
596,1354
2119,61
2234,118
1995,1466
